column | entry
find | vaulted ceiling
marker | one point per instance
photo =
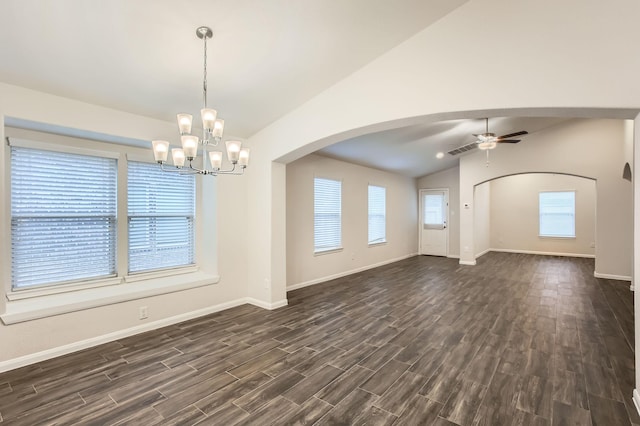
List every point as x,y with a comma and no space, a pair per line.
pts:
266,58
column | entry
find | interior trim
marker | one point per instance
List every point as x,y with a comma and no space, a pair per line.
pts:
345,273
22,361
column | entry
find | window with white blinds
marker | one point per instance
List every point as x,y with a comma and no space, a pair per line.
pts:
557,214
377,214
161,216
63,217
327,211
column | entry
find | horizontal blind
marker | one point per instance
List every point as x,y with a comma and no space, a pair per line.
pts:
161,212
557,214
327,210
63,217
377,214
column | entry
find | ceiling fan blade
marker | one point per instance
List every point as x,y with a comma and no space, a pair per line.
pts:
510,135
463,148
508,140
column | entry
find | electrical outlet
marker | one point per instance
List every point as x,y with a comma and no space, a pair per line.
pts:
142,313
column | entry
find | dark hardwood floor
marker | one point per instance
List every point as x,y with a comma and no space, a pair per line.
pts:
515,340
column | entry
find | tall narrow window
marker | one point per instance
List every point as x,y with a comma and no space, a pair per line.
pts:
377,215
161,213
327,211
63,217
558,214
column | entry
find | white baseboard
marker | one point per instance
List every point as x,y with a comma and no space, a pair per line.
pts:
612,276
544,253
482,253
453,256
22,361
468,262
345,273
265,305
636,400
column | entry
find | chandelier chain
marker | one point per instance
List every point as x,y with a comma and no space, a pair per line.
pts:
204,81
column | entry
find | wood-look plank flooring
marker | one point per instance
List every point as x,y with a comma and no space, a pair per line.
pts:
515,340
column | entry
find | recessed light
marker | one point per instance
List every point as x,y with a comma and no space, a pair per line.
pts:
440,155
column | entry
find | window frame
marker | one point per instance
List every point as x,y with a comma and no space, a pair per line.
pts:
382,240
328,249
192,217
540,213
41,302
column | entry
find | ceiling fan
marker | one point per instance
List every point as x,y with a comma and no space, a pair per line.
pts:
488,140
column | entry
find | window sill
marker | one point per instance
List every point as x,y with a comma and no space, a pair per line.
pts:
380,243
327,251
558,237
62,303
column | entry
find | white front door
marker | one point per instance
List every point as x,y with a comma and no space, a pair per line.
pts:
434,214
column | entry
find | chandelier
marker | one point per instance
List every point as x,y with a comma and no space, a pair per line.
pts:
212,128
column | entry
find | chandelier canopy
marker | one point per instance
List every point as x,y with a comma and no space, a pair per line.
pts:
212,128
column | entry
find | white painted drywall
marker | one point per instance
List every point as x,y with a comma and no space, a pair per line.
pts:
636,253
222,205
429,77
450,179
303,266
455,68
515,218
482,218
590,148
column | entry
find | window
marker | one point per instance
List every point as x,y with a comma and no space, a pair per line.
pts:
557,214
327,211
161,212
434,211
377,214
63,217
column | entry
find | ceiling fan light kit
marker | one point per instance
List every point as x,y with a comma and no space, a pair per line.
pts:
212,129
487,141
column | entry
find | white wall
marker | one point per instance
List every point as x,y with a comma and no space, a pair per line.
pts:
482,220
590,148
222,204
429,78
450,179
515,218
303,267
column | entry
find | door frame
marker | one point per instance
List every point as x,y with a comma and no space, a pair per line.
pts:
421,213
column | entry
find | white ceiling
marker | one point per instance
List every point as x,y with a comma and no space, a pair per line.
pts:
266,57
412,150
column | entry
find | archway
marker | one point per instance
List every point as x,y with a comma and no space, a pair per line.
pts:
508,215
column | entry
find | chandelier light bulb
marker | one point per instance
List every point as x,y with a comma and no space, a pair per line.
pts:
233,150
178,157
218,127
243,159
184,123
208,118
215,158
190,146
160,150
